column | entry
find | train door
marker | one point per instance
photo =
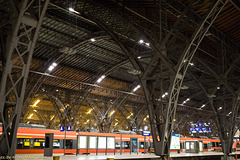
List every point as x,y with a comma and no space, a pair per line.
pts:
192,146
134,145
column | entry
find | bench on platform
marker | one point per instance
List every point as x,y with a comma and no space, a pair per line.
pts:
217,149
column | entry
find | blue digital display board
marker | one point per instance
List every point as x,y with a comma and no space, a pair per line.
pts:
197,129
200,127
146,133
192,129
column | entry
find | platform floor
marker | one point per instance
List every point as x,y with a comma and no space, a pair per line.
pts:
116,157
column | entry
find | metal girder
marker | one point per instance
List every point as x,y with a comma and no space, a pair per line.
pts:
165,126
111,22
225,121
20,44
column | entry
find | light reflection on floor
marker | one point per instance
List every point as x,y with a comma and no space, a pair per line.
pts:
104,157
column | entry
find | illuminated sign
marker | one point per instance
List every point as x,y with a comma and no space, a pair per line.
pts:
146,133
68,128
199,127
175,141
61,129
192,129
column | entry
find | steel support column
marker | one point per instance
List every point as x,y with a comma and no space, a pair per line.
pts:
20,44
120,29
226,116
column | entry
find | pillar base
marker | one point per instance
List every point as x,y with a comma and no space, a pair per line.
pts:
228,158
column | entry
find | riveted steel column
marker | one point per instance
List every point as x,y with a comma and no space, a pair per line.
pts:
20,44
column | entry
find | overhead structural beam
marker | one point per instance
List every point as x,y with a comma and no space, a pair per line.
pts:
163,127
106,19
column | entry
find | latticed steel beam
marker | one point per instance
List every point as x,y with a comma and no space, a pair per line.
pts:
117,28
20,44
226,121
165,127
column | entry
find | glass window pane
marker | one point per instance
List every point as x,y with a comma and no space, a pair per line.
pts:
102,142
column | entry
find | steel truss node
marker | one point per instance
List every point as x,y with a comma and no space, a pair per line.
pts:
120,27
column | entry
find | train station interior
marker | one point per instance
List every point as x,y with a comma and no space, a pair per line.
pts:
120,79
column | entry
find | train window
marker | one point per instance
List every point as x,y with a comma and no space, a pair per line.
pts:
117,144
125,145
217,144
69,144
20,143
205,146
151,144
209,145
238,145
38,143
213,144
74,144
147,145
56,144
26,143
141,145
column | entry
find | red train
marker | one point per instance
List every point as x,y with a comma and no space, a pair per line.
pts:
31,141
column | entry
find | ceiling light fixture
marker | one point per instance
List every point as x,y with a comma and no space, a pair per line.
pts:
165,94
89,111
111,113
35,104
72,10
30,116
141,41
101,78
52,66
136,88
93,39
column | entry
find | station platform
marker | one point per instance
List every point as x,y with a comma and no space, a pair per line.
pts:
207,155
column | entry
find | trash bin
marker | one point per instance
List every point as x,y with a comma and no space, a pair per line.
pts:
56,157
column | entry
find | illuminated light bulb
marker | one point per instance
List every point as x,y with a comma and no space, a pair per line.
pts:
111,113
71,9
93,39
101,78
30,116
35,104
89,111
136,88
141,41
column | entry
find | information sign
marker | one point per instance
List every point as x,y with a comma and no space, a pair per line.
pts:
68,128
146,133
61,129
175,141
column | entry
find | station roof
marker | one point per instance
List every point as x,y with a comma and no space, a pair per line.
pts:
83,52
